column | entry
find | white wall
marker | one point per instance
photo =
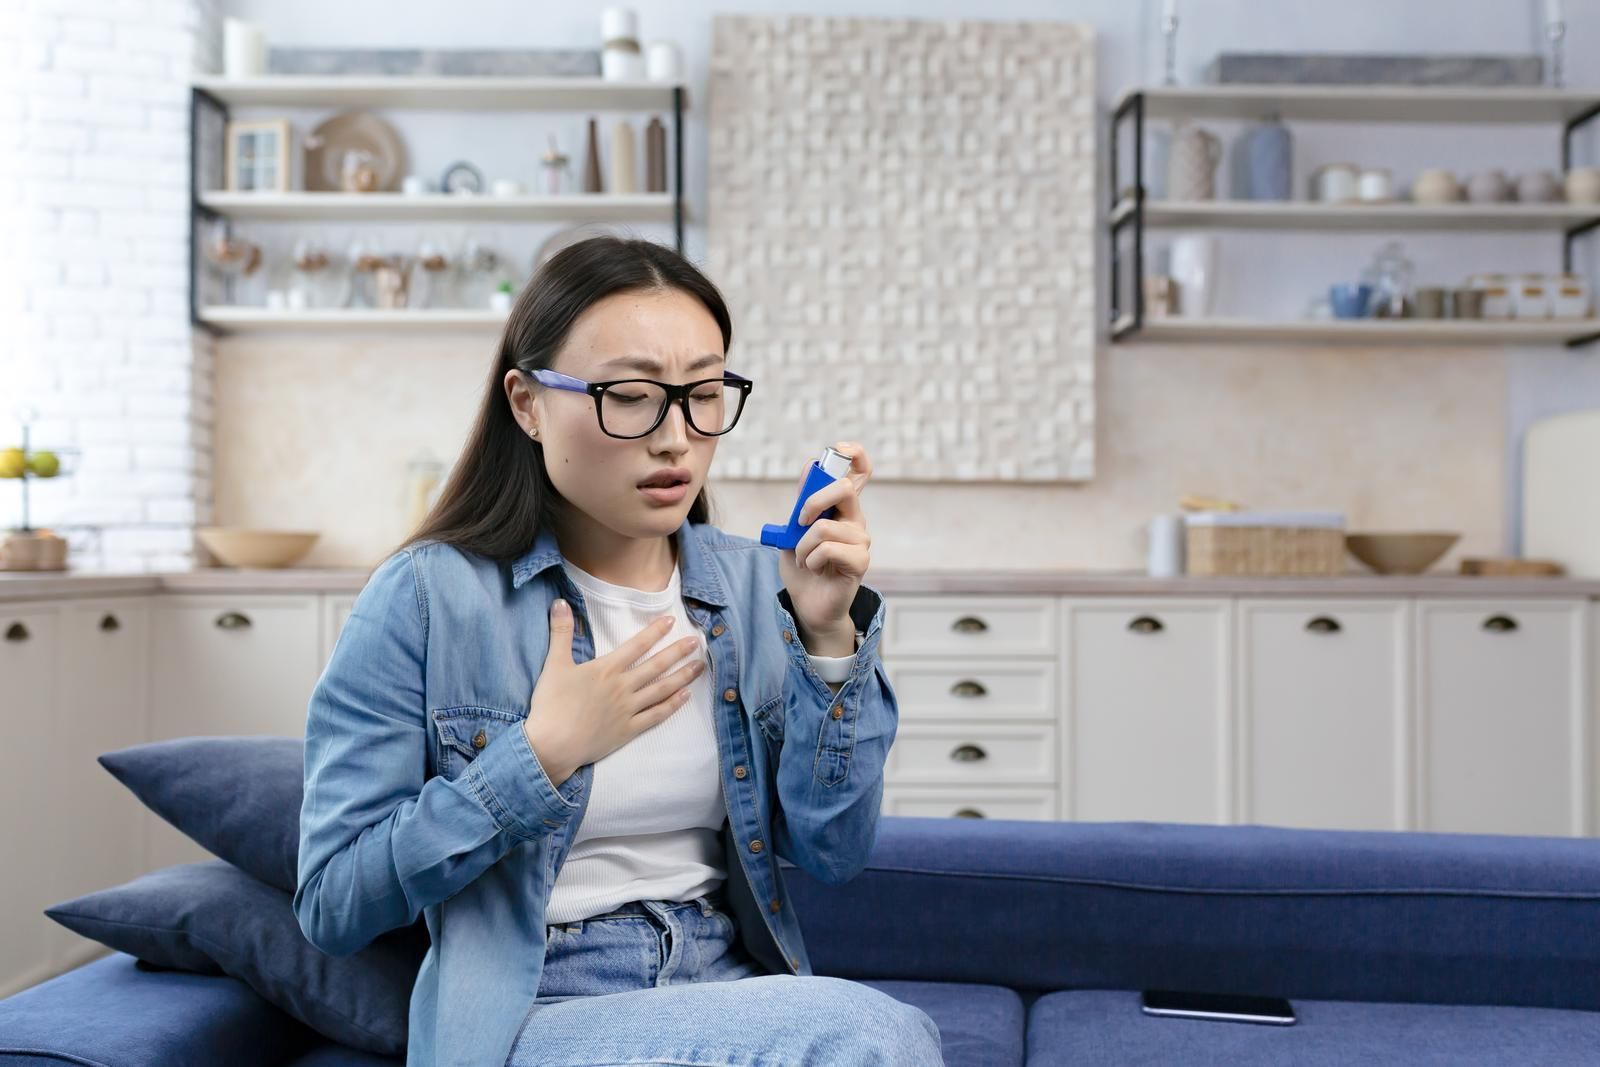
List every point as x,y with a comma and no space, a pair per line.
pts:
94,332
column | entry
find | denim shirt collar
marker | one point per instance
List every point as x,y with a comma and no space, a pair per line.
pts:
700,578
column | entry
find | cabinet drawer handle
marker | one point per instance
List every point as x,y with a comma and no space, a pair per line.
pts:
969,624
968,813
16,632
968,688
1146,624
233,620
968,754
109,623
1499,624
1322,624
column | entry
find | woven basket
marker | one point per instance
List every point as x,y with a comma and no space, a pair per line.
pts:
1264,550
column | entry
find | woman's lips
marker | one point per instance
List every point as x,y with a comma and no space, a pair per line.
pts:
664,494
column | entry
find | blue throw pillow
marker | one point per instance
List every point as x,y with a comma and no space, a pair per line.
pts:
213,918
237,797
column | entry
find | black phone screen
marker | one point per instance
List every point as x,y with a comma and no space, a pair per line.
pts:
1224,1006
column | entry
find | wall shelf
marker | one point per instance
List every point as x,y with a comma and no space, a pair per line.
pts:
1369,331
1309,215
439,93
1132,212
644,207
243,319
1361,103
217,97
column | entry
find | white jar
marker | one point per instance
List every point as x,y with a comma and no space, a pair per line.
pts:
1334,183
1530,297
1569,296
663,62
1496,294
1375,186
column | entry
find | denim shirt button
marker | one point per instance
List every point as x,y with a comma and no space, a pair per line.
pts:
729,694
838,711
739,772
480,739
787,635
716,631
755,846
776,904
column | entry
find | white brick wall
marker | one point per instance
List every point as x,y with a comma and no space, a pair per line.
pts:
94,331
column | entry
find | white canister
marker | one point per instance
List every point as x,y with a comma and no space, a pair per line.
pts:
1530,297
663,62
620,56
1375,185
1335,183
415,185
244,49
1496,294
506,187
1165,556
1569,296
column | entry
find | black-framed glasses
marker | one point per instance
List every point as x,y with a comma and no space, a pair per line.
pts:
634,407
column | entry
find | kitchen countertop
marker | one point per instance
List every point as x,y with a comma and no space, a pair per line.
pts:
19,586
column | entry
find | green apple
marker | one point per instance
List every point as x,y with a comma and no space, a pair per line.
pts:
44,464
12,463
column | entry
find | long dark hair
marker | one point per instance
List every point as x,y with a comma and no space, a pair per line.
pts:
499,494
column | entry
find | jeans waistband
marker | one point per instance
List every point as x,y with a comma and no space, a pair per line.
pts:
717,898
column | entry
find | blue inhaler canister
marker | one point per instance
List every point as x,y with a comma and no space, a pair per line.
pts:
833,465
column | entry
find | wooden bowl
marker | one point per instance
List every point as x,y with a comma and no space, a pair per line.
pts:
239,547
1400,553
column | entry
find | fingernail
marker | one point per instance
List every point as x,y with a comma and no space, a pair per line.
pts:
561,606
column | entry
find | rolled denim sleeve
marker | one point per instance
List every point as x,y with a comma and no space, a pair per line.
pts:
830,768
379,839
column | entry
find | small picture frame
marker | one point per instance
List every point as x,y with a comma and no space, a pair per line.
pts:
257,156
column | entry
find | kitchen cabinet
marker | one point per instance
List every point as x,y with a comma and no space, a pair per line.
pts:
970,802
1324,723
1147,715
30,647
1504,708
229,665
97,834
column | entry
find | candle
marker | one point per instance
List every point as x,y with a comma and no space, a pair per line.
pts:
1169,10
1554,10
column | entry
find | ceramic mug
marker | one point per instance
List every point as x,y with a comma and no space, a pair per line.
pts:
1488,186
1466,304
1334,183
1435,186
1349,300
1375,186
1537,187
1432,302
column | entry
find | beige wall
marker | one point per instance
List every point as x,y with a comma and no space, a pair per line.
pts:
316,434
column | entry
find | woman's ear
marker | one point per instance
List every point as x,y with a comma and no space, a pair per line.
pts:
522,401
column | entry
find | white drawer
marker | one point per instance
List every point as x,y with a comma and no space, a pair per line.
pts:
977,689
952,754
969,625
971,802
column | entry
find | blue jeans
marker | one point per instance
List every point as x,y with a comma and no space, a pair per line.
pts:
664,982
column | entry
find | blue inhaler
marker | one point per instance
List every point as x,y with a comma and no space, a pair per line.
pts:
832,466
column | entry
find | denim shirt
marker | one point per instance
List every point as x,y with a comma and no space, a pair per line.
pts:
423,795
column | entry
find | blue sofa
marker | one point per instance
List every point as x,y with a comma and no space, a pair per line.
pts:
1028,942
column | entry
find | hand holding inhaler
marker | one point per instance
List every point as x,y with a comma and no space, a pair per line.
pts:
824,548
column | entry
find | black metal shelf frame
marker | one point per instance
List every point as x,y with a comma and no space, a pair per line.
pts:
1133,106
200,100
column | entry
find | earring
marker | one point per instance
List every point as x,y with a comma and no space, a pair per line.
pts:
533,432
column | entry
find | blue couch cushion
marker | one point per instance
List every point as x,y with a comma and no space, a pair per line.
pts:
115,1010
237,797
212,916
979,1025
1085,1027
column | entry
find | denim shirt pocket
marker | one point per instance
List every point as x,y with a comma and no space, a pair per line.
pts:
769,715
465,731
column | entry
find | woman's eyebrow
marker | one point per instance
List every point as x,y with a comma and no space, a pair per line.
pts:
647,364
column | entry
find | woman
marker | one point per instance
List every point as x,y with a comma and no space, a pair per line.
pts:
575,725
